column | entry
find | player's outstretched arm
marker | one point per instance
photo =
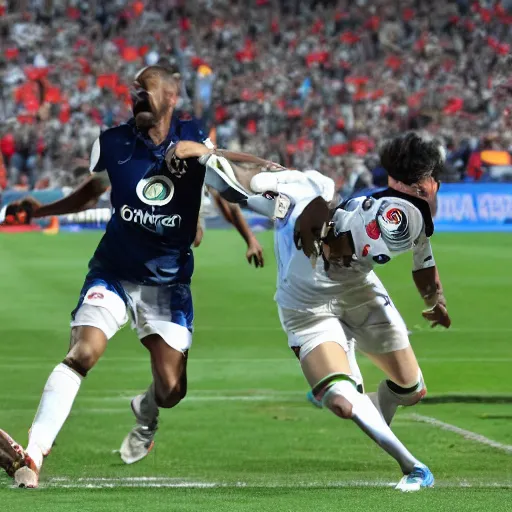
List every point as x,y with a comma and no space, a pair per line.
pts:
188,149
429,285
233,214
82,198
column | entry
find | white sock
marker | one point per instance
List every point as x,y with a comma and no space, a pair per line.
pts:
387,400
369,420
58,396
385,404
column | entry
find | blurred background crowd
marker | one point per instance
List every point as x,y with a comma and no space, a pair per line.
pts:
309,83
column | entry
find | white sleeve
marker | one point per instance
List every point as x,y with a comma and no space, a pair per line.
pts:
299,188
95,162
96,166
422,254
295,184
3,213
208,143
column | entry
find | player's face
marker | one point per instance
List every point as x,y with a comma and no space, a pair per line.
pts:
152,99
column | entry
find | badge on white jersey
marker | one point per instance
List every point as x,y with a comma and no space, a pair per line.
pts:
380,228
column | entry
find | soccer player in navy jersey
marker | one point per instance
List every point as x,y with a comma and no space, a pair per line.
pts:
141,269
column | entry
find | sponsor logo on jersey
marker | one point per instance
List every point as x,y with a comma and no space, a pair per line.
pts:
149,220
155,191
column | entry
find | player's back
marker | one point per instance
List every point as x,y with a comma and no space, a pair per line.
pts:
301,286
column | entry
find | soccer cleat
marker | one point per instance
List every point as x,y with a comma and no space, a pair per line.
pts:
311,398
419,477
140,441
17,463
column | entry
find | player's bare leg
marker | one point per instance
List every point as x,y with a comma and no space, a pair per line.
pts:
86,347
405,385
327,370
169,387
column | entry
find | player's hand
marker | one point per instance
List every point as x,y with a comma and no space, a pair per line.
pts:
21,212
438,315
255,253
199,236
30,205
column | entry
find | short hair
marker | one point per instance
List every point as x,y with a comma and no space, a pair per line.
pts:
411,157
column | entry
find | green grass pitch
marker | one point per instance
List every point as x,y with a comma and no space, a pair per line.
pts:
245,438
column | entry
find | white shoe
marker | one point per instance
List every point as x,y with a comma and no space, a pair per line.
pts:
26,477
17,463
140,441
419,477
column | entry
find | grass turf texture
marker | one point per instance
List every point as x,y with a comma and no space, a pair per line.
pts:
245,426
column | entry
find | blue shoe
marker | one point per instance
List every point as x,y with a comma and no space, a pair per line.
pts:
419,477
313,400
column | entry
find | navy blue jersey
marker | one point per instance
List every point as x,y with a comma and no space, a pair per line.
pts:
154,213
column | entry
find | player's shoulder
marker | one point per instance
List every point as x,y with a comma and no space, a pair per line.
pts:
189,127
108,144
123,131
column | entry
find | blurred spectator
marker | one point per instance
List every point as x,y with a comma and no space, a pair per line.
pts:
311,83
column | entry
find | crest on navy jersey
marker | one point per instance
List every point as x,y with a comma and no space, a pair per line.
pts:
155,191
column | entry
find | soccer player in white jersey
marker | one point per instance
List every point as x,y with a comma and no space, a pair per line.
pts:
339,297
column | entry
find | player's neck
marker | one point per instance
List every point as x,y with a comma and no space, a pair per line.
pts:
401,187
160,131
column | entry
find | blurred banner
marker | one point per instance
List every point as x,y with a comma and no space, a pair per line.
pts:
474,207
462,207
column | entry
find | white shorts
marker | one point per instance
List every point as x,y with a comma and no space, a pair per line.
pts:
377,327
163,310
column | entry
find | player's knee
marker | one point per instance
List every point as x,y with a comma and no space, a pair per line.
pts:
340,406
338,396
80,366
82,358
172,394
407,393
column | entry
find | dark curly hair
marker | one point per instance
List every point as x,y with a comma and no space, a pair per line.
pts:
410,157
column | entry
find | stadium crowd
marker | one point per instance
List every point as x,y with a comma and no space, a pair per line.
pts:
309,83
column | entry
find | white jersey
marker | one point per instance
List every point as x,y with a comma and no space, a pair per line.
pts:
207,205
301,287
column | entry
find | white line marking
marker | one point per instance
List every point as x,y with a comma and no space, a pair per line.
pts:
95,404
466,434
165,482
142,362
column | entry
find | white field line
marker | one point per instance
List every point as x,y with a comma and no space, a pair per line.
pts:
103,404
30,362
166,482
466,434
